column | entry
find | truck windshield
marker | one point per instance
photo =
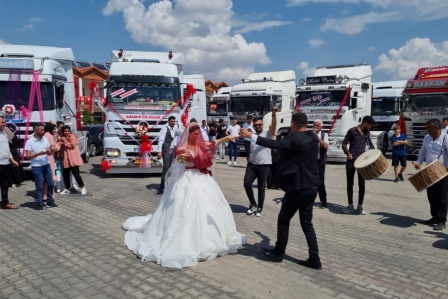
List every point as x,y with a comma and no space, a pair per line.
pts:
384,106
217,108
251,104
430,104
321,98
18,94
144,93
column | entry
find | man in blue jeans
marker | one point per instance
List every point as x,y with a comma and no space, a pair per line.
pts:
233,130
37,149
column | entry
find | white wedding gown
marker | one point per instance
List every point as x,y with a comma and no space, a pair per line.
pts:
193,222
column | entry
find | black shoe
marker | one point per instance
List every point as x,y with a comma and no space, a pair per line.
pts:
40,208
430,222
271,254
52,205
440,226
396,180
400,176
160,191
309,264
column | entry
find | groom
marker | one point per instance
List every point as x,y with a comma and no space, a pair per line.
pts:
298,176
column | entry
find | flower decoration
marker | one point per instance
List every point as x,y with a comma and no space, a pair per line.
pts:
122,56
9,109
141,130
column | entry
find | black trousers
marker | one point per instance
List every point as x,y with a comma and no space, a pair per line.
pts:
350,171
247,149
260,173
438,200
5,180
302,201
167,161
75,171
321,189
270,181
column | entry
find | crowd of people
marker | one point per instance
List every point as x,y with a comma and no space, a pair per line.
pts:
194,222
53,153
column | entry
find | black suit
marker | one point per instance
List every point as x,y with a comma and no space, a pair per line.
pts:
298,176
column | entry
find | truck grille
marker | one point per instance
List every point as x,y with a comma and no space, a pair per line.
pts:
416,132
383,126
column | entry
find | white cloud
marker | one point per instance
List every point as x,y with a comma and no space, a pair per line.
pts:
381,11
316,42
404,62
36,20
200,29
2,42
305,68
261,26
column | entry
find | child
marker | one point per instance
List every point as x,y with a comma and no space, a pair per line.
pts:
59,185
399,142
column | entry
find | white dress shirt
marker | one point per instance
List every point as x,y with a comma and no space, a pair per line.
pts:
432,149
5,152
162,135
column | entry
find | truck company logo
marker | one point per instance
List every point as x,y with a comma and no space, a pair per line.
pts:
429,83
321,80
137,116
128,93
316,100
155,107
23,64
117,92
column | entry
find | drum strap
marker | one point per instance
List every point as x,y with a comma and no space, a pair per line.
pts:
441,151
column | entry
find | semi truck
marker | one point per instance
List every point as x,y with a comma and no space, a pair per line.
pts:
343,88
257,94
424,97
28,71
143,91
386,107
217,107
198,103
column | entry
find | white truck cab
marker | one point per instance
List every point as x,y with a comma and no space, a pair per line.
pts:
55,85
257,94
344,87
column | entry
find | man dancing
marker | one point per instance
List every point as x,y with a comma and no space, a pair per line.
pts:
299,178
259,164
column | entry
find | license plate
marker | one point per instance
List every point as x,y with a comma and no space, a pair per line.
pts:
136,149
137,161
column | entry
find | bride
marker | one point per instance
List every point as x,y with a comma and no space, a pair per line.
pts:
193,221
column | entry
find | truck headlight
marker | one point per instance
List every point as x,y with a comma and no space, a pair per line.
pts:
112,152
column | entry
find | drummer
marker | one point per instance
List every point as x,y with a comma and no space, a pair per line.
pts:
435,147
358,138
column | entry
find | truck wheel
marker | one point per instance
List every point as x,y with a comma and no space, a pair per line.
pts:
86,155
93,150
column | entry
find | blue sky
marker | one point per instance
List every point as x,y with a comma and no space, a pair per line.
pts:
227,40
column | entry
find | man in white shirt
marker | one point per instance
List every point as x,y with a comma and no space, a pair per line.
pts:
259,165
321,159
445,125
166,136
6,160
248,126
233,130
204,130
435,147
37,150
